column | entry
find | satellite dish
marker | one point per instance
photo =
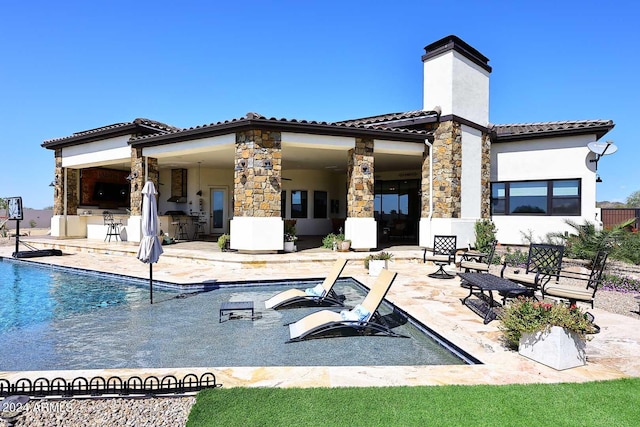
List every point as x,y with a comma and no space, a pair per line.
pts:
602,148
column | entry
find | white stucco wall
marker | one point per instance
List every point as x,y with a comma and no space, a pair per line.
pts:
551,158
458,86
471,174
97,153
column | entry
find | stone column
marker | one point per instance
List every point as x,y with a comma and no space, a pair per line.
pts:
257,224
137,183
65,201
457,166
134,223
59,190
360,225
447,167
485,208
58,193
72,190
441,182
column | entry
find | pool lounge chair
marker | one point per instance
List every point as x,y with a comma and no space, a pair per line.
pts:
324,295
362,319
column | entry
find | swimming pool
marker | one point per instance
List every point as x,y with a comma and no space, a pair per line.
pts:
118,328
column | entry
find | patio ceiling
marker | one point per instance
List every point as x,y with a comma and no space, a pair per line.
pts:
293,158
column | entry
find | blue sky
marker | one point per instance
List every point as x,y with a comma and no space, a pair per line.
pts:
74,65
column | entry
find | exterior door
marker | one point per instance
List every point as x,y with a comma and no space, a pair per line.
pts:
218,214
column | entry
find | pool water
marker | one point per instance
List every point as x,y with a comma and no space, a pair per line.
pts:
114,326
32,295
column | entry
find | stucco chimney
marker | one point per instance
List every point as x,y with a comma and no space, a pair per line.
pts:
456,78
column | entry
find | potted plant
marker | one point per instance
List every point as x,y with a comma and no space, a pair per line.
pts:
553,334
290,236
376,262
345,245
331,240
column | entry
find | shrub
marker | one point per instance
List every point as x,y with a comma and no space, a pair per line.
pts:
516,258
587,241
33,223
485,234
379,256
528,315
627,248
222,241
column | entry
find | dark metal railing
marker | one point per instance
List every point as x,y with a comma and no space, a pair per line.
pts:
98,386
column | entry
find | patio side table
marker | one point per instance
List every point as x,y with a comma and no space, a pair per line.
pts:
230,307
485,305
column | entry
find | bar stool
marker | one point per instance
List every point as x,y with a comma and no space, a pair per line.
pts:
180,228
113,225
198,231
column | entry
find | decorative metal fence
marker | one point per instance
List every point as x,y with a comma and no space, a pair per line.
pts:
99,386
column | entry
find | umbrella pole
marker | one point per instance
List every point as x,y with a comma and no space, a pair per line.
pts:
151,283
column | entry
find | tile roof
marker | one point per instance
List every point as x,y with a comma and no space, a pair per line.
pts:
390,117
518,131
399,124
260,120
148,124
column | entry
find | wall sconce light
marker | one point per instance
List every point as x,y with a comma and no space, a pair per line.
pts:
56,181
132,176
366,169
268,165
243,179
242,165
598,179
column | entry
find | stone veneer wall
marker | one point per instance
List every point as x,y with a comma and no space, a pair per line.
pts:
360,193
447,168
137,166
58,193
256,189
59,190
485,208
73,181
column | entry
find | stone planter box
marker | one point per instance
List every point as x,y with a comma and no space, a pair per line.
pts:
557,348
376,266
289,246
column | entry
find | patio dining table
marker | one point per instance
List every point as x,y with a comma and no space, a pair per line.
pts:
483,304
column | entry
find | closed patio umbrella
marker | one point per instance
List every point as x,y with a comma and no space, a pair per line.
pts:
150,247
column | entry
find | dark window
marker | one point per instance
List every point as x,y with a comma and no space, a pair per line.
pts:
299,204
565,198
319,204
498,198
556,197
528,197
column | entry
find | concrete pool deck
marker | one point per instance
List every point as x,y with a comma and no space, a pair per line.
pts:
611,354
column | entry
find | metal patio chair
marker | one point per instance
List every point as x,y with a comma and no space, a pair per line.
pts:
443,253
543,263
575,294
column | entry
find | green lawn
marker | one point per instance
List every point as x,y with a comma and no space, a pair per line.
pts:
605,403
